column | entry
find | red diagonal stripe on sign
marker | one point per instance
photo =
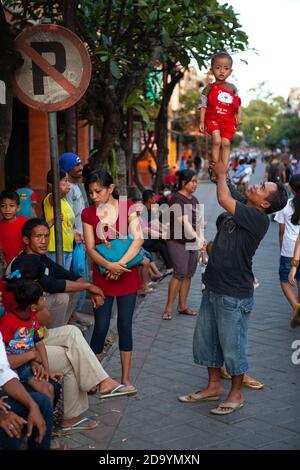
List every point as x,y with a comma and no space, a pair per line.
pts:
47,68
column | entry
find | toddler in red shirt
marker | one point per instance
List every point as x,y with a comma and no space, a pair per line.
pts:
23,337
11,241
220,111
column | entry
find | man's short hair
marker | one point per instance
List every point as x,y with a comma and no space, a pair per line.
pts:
148,194
31,224
277,199
12,195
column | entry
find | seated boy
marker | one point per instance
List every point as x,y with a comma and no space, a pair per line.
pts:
23,338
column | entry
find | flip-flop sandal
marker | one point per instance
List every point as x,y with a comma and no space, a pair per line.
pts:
167,316
295,320
196,397
187,311
117,392
222,408
253,385
79,426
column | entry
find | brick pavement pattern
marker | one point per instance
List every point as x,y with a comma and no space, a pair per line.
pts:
163,369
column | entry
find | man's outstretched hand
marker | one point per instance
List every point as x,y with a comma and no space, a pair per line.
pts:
218,168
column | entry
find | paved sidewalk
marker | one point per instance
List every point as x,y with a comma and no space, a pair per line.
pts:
163,369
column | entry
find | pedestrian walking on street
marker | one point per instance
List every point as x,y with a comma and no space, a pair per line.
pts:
99,221
183,233
289,228
220,334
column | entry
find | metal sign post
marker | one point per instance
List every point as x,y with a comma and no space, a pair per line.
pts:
52,125
55,75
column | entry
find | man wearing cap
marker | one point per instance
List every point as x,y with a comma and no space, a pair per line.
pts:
77,198
71,164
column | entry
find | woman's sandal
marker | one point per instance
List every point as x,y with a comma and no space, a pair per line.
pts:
187,311
167,315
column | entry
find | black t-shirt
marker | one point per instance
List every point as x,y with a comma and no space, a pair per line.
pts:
229,269
55,277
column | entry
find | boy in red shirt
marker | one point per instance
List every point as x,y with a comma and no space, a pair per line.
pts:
220,111
11,241
23,337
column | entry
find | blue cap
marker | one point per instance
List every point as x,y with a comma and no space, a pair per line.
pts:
68,160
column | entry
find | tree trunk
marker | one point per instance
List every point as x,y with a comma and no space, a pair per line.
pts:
121,171
104,99
69,14
10,60
161,129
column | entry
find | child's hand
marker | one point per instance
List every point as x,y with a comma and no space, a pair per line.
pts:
37,370
202,127
239,117
56,377
239,120
4,407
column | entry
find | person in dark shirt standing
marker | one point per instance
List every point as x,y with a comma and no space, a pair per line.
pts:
220,334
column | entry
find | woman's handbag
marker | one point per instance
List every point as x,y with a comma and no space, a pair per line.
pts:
116,250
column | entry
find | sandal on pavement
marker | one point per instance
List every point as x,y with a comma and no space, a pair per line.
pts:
187,311
120,391
295,320
167,316
84,424
226,408
253,384
195,397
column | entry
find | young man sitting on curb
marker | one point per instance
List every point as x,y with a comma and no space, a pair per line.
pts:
61,286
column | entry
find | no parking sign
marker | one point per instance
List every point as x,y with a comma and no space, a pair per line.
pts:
56,70
55,74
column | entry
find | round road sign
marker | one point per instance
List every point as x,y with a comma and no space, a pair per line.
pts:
56,70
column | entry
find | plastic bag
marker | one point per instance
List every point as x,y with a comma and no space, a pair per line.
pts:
79,263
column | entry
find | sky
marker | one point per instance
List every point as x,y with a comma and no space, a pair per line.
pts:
273,29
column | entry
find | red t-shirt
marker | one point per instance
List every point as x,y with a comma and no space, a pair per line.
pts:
8,298
11,242
128,283
20,335
222,104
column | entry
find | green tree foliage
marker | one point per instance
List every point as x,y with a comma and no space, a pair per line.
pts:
286,130
127,40
259,117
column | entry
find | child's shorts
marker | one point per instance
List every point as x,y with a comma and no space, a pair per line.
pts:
284,269
25,373
227,129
